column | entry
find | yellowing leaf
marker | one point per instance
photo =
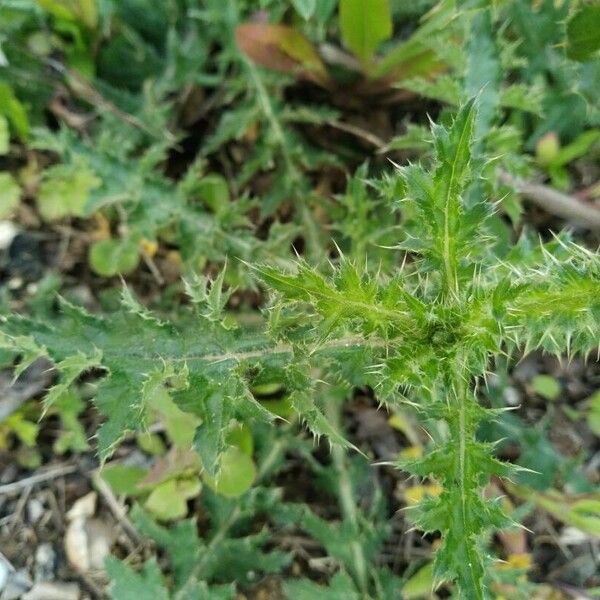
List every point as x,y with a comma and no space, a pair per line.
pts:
109,257
65,190
413,495
149,247
83,11
518,561
4,136
168,501
10,192
236,475
411,453
281,48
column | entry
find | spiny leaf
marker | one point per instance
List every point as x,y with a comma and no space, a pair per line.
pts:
339,588
129,585
70,369
583,35
209,297
448,231
348,297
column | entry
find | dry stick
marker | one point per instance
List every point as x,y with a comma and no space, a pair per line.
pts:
118,510
17,486
554,202
358,132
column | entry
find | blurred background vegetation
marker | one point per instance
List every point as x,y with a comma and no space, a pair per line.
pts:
157,141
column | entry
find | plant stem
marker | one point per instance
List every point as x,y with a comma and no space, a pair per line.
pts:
346,497
463,531
555,202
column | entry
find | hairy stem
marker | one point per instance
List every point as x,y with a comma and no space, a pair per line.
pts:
463,530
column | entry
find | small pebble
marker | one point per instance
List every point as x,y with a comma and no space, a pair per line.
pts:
8,231
45,560
512,396
17,584
35,510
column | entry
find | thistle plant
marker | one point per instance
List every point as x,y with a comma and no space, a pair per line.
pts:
425,335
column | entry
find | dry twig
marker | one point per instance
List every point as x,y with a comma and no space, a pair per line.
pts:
16,486
554,202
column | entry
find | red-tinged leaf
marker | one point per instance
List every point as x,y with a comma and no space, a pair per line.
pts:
281,48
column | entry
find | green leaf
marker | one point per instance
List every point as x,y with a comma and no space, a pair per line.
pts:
70,369
240,436
151,443
340,588
123,479
583,33
65,190
180,541
79,11
446,227
4,136
349,296
215,412
228,553
168,500
483,70
180,426
25,430
546,386
593,413
214,192
10,194
303,403
364,25
236,474
110,257
13,110
126,584
413,57
305,8
579,147
73,437
420,585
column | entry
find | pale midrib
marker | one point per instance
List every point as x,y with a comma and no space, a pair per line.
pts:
574,301
341,343
450,270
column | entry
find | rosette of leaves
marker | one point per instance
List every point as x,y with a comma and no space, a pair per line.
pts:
440,321
426,335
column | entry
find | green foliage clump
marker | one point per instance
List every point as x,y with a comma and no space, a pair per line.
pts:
211,140
427,334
